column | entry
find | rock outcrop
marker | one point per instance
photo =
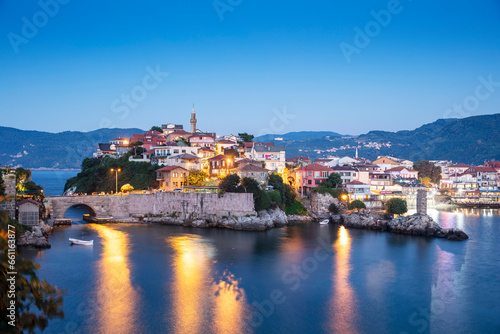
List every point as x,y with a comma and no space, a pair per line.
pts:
261,221
38,237
320,205
416,224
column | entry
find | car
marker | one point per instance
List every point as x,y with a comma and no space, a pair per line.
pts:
177,190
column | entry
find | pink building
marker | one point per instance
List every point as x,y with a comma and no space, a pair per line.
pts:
310,176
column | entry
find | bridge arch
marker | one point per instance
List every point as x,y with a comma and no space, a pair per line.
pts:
90,210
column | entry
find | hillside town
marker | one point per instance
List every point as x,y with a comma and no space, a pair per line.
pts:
180,152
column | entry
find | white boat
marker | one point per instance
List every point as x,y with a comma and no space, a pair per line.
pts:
81,242
324,222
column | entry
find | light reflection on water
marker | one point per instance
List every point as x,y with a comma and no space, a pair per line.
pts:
198,299
116,295
344,301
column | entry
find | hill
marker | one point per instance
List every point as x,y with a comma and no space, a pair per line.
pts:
37,149
471,140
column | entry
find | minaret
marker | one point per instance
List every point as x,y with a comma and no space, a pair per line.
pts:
356,152
193,121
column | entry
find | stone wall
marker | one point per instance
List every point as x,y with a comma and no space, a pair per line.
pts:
155,204
10,192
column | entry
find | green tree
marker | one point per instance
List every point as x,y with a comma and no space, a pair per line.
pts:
290,195
276,182
396,206
156,128
230,184
246,137
197,177
135,145
275,198
333,181
22,174
334,208
2,185
260,197
35,302
357,205
428,169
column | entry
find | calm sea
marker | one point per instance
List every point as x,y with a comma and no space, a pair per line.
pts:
303,278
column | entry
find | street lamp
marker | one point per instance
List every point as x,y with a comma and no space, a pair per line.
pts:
118,170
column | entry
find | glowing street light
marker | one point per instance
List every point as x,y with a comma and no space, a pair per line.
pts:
118,170
227,166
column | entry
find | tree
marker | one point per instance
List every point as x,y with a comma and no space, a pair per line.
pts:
2,185
22,174
126,188
428,169
357,205
333,181
156,128
246,137
334,208
396,206
135,145
276,182
290,195
230,184
275,198
260,197
35,302
197,177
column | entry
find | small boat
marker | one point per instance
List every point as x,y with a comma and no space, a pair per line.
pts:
81,242
324,222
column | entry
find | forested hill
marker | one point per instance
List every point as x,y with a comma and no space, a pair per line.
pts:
36,149
470,140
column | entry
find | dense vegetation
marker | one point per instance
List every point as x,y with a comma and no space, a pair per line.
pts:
282,196
357,205
396,206
332,185
427,169
96,175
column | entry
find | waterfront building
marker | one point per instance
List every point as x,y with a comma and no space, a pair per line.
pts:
453,170
220,165
386,163
184,160
311,176
255,172
358,190
28,212
347,173
402,172
171,177
272,156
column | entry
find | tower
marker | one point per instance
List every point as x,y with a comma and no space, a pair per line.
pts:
356,152
193,121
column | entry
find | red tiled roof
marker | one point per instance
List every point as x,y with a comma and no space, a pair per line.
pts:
397,169
249,145
179,133
460,165
225,141
355,183
483,169
28,200
169,168
316,166
218,157
253,168
344,168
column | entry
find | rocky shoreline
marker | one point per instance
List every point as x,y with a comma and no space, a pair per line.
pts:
419,225
38,237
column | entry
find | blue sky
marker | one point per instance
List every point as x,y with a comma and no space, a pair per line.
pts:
259,66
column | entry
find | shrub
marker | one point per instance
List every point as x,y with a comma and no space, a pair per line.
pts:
261,201
396,206
357,204
335,193
230,184
334,208
290,195
297,208
126,188
275,198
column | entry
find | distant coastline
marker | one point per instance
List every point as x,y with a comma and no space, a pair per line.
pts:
54,169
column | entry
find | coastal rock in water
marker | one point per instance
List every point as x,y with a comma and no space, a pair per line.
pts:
35,238
320,205
416,224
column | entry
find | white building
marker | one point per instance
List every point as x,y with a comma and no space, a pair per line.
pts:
273,156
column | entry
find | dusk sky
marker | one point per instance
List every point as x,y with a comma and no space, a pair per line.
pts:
246,63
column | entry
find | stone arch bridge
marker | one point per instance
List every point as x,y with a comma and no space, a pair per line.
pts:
159,203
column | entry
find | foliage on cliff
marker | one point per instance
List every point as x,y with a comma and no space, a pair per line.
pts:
96,175
427,169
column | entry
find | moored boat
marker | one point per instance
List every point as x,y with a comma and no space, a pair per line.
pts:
324,222
81,242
